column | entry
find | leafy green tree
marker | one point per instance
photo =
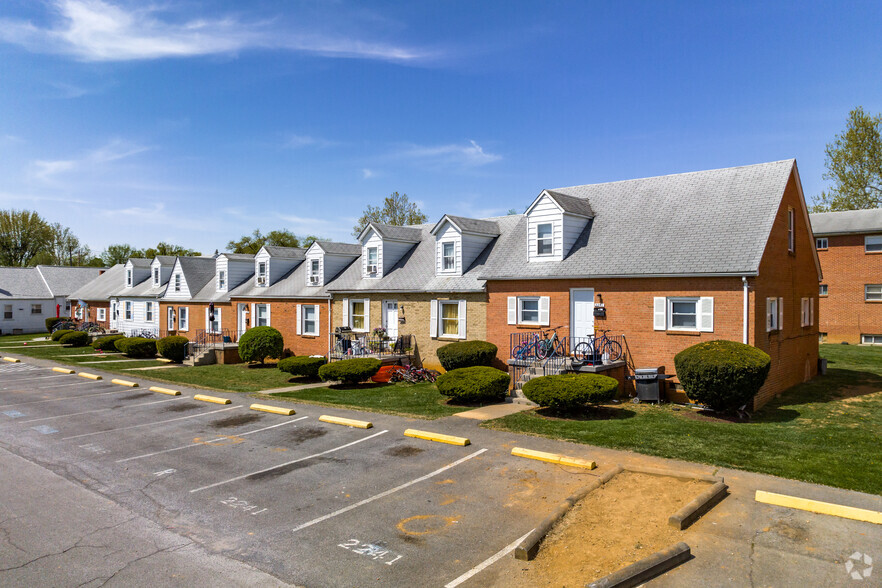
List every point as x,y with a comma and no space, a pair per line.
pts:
397,209
854,165
163,248
23,236
66,248
279,238
119,253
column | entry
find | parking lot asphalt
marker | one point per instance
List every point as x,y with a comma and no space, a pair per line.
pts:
289,499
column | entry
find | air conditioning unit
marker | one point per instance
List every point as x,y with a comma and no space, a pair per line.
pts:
314,280
261,280
372,269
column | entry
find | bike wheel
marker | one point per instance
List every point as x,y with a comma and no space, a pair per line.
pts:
613,349
543,349
520,352
583,351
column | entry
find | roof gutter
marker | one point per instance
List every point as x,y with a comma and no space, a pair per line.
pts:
620,276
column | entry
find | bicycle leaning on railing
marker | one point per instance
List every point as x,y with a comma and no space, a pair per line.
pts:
541,347
601,345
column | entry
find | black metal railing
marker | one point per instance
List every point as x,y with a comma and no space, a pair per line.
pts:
347,346
145,333
542,346
210,339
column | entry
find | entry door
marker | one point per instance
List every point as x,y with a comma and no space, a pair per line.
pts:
113,321
390,318
240,312
581,314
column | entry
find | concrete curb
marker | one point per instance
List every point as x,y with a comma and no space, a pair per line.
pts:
674,474
645,569
698,506
214,399
437,437
346,422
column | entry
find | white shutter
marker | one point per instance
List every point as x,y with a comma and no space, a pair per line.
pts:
219,320
433,318
318,322
268,323
780,314
544,310
706,312
345,312
367,314
768,314
811,312
462,319
512,310
659,313
299,330
207,324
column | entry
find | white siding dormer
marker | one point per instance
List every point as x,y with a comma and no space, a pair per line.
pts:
456,251
273,267
551,231
315,267
135,275
159,273
238,270
262,268
177,288
372,255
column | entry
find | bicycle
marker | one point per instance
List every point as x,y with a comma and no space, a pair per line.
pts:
600,345
541,347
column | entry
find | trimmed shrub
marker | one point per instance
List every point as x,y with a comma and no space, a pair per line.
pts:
722,374
474,384
75,339
350,371
50,322
173,347
61,333
107,343
454,356
137,346
569,392
259,343
302,365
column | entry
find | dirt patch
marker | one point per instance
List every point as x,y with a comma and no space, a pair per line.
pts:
305,434
851,394
235,421
291,467
136,396
183,406
623,522
403,451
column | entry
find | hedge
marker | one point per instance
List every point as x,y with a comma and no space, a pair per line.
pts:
107,343
350,371
466,354
259,343
137,346
569,392
474,384
50,322
722,374
75,339
173,347
302,365
61,333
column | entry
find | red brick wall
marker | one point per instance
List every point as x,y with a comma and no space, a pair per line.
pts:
844,313
283,316
92,313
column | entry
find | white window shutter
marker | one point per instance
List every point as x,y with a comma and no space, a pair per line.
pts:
268,323
768,314
659,313
512,310
253,320
780,314
207,324
318,321
811,312
462,319
345,312
544,310
433,318
299,319
706,310
367,314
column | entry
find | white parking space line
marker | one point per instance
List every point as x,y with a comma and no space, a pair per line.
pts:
281,465
61,416
66,397
66,384
486,563
191,445
388,492
192,416
29,379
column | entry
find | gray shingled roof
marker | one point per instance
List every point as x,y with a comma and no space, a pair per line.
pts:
699,223
336,248
291,285
571,204
847,221
289,252
63,280
198,272
102,287
395,232
239,255
43,281
470,225
165,259
140,262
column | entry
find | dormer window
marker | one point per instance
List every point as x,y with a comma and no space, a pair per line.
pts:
372,260
177,282
544,242
448,258
261,273
156,276
222,280
129,278
314,277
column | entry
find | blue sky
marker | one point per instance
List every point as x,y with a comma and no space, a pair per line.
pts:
197,121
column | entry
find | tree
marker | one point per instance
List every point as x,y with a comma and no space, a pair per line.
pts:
279,238
66,248
854,165
119,253
397,209
23,235
163,248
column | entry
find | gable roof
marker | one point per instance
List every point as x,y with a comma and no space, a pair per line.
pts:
288,252
44,281
142,262
335,248
291,285
469,225
165,259
409,234
198,271
714,222
101,287
571,204
847,222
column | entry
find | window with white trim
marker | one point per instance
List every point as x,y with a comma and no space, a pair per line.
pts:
372,263
544,239
357,315
222,279
213,326
177,282
821,243
36,309
448,256
155,276
683,313
129,278
128,310
7,311
528,309
774,314
261,273
148,311
822,290
873,243
791,237
807,312
873,292
314,272
170,319
261,315
309,319
449,318
102,314
871,339
183,318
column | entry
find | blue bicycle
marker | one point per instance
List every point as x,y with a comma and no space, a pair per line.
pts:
540,347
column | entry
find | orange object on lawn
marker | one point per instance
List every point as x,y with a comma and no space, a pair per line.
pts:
382,376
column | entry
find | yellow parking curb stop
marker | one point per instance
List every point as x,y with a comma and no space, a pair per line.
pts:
63,371
89,376
214,399
816,506
164,391
345,422
428,436
125,383
554,458
11,360
273,409
163,360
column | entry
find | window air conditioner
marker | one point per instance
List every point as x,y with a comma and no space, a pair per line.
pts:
261,280
372,269
314,280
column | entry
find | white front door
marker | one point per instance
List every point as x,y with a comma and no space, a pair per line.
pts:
241,313
113,317
390,318
581,314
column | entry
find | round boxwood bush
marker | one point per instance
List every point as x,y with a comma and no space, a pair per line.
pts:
173,347
259,343
75,339
50,322
569,392
474,384
137,347
302,365
350,371
57,335
107,343
722,374
454,356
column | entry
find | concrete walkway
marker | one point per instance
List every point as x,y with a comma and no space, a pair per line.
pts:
494,411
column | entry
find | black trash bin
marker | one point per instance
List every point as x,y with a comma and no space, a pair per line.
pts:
649,383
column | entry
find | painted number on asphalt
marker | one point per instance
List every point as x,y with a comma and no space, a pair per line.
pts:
376,551
13,414
94,448
167,472
45,429
243,505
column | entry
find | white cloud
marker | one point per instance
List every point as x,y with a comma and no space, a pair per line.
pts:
298,141
95,30
450,155
367,174
115,150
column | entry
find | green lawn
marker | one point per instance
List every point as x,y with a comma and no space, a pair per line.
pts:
824,431
413,400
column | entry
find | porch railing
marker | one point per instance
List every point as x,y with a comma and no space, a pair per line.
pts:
350,346
210,339
591,350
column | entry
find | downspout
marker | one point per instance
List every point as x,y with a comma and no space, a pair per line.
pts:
330,325
746,307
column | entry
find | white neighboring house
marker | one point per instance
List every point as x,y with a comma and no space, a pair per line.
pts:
134,308
30,295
